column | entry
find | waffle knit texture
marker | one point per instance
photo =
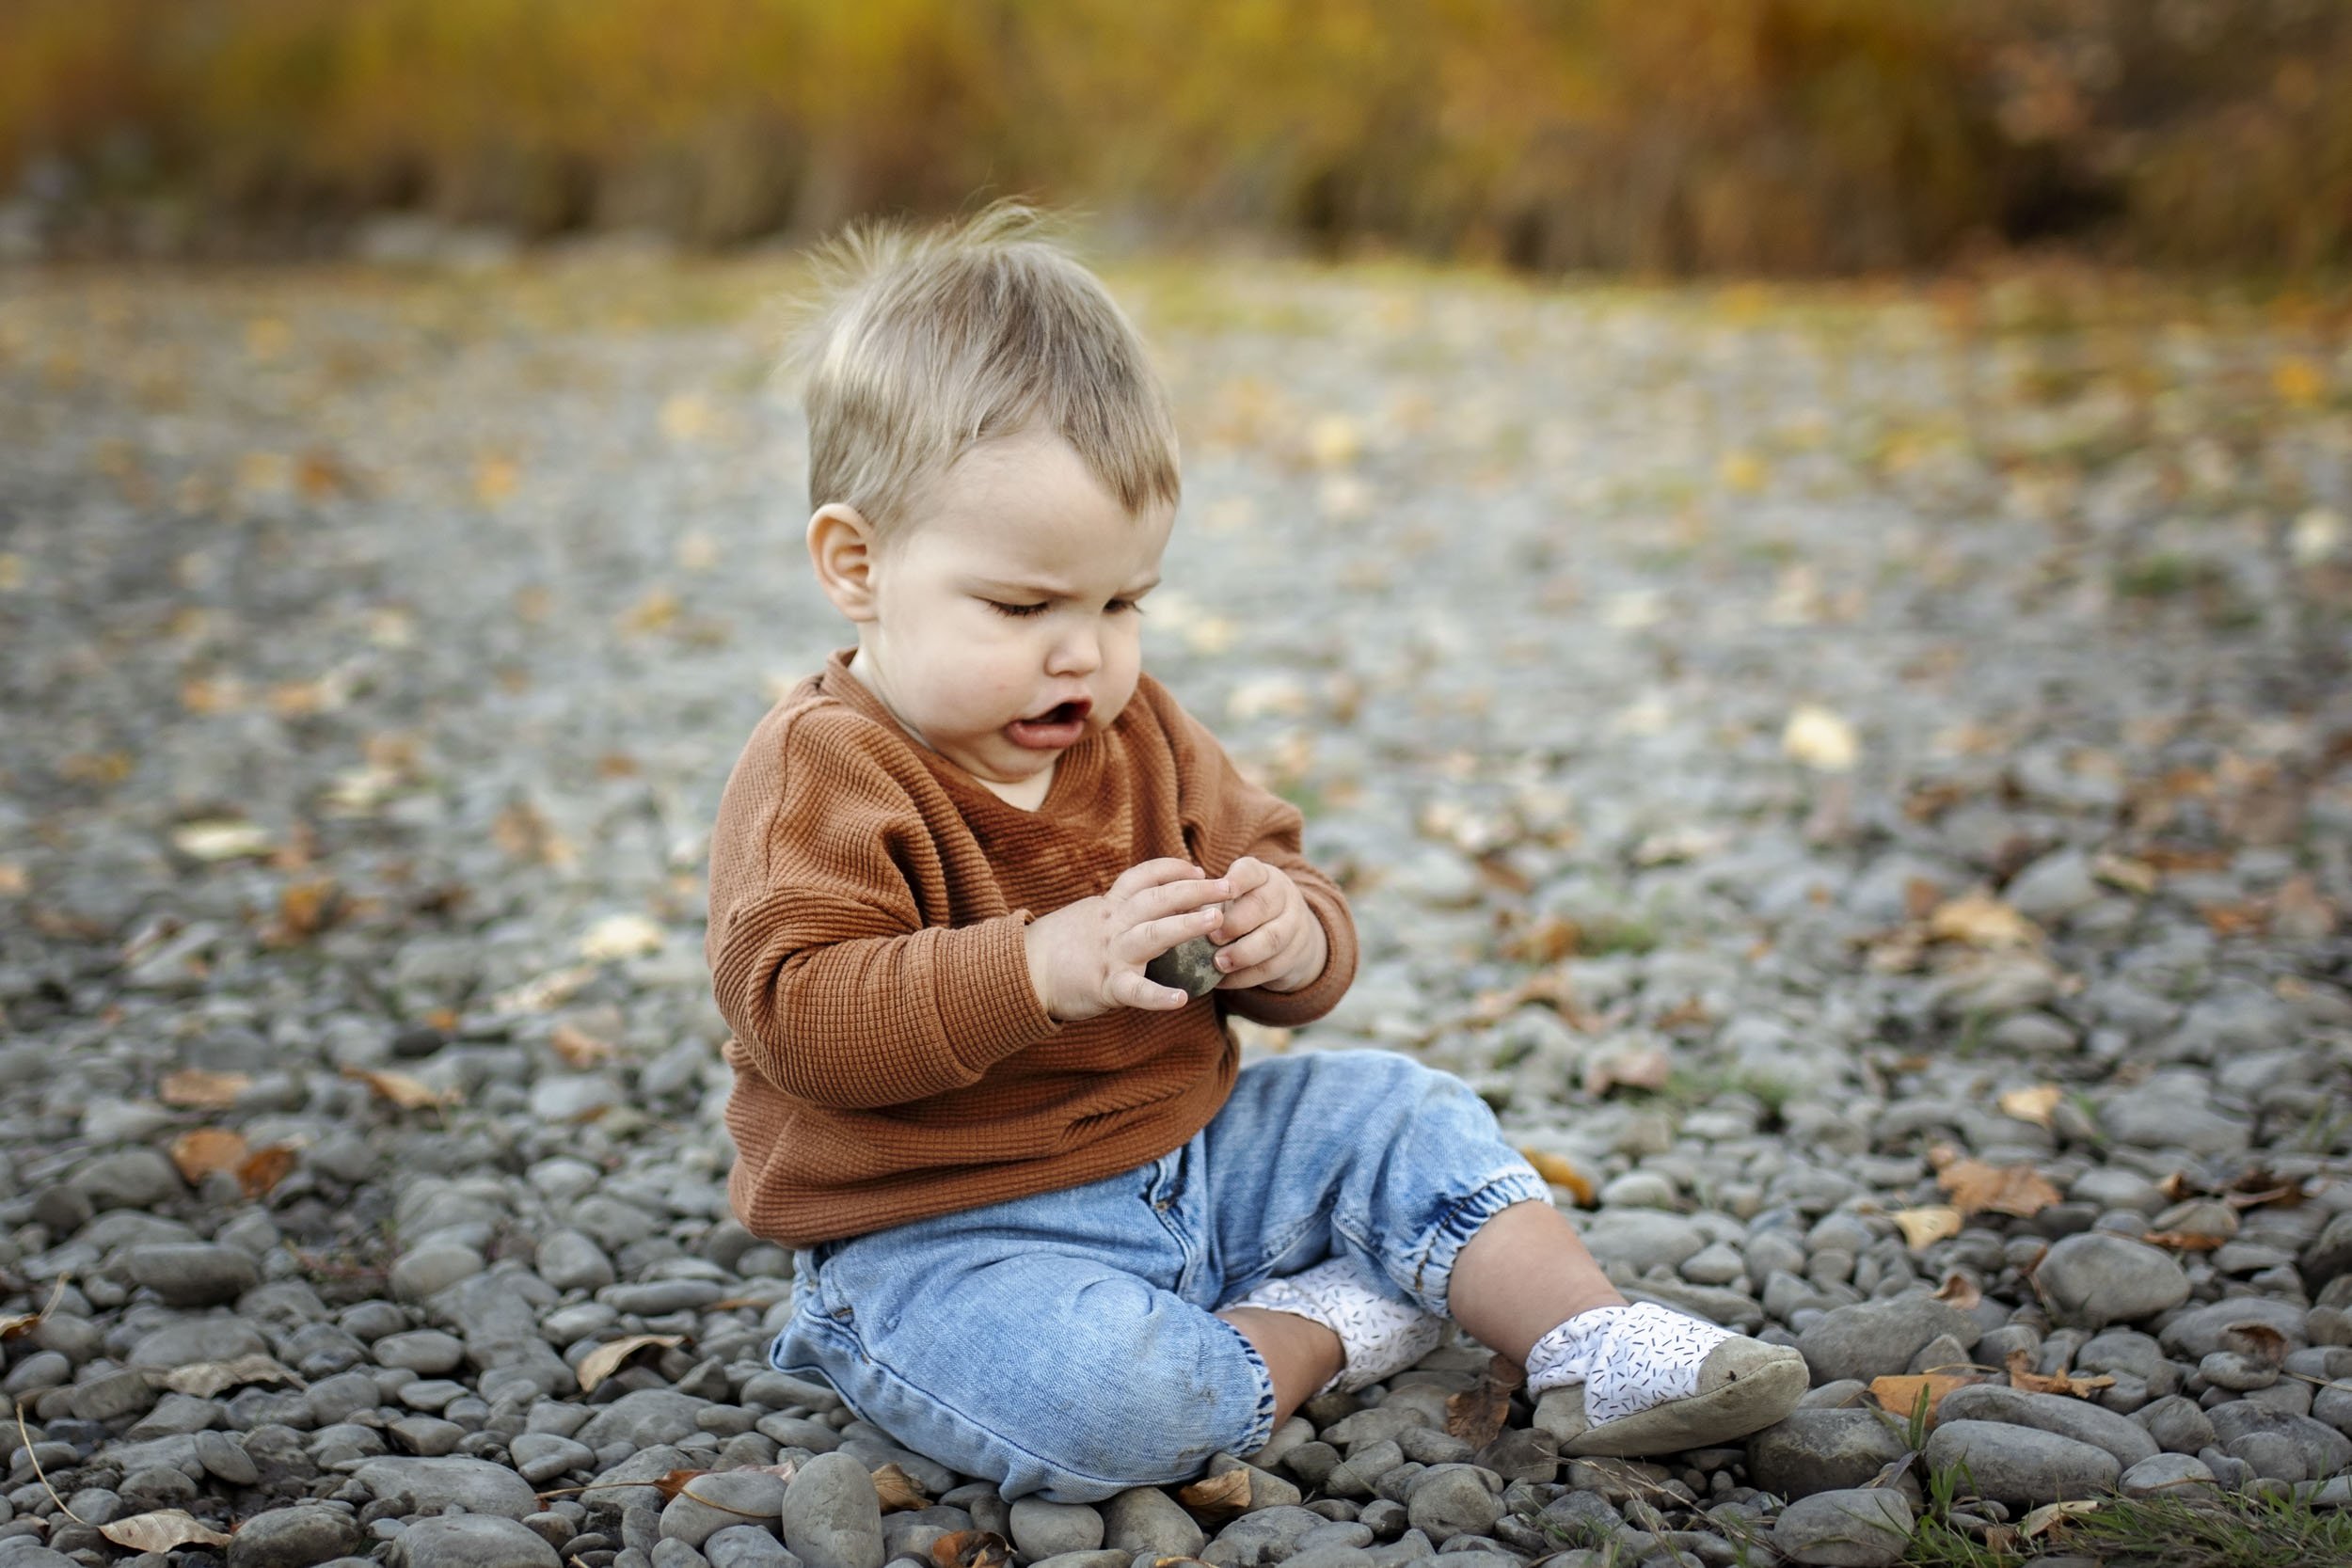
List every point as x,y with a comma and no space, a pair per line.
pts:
868,897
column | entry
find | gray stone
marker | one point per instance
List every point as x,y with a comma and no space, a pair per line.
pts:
433,1485
2093,1279
471,1541
644,1418
426,1351
741,1546
711,1503
225,1459
1043,1529
2165,1114
1146,1519
2323,1449
1450,1500
113,1396
2196,1332
295,1537
2121,1436
428,1270
1822,1451
1642,1239
1875,1339
2021,1467
2177,1423
2054,887
193,1340
832,1517
2167,1475
1845,1529
542,1456
194,1273
129,1178
1190,966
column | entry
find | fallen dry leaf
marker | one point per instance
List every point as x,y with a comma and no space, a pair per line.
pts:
303,909
1923,1228
971,1548
2016,1190
410,1094
18,1324
1639,1067
2184,1241
195,1090
898,1490
2035,1105
205,1150
203,1379
1820,740
579,1048
267,1166
1555,1169
671,1483
620,936
1477,1415
1980,920
2022,1376
1960,1291
606,1360
220,840
1900,1396
2257,1340
163,1530
1215,1499
2050,1515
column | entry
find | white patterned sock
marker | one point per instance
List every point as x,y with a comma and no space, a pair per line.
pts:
1629,1358
1380,1335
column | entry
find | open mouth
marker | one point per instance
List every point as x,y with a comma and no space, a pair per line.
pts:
1058,726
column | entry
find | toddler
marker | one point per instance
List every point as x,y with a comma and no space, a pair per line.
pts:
1046,1232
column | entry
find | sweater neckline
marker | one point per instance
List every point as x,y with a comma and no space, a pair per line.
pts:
841,683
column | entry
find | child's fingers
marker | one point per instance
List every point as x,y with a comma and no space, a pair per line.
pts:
1131,989
1155,937
1244,953
1151,874
1177,897
1251,912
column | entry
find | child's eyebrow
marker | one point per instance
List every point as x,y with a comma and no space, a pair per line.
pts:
1050,591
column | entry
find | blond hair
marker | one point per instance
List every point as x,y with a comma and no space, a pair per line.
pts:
920,346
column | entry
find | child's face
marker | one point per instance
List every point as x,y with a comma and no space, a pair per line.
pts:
999,624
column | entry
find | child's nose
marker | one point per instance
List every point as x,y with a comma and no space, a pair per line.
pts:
1076,653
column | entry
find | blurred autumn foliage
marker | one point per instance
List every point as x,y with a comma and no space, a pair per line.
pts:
1749,135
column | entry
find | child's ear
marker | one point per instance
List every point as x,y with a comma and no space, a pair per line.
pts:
842,548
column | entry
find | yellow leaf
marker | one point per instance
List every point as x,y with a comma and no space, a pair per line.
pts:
2035,1104
1820,740
605,1360
2017,1190
1923,1228
220,840
494,479
2023,1376
577,1047
620,936
265,1168
1742,471
1900,1395
1556,1170
162,1530
195,1090
1334,441
205,1150
410,1094
203,1379
2049,1515
1980,920
2298,381
1958,1291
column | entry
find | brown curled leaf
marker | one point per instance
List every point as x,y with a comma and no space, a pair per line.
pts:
163,1530
1218,1498
898,1490
605,1360
971,1548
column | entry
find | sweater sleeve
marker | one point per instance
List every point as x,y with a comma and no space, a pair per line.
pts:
821,960
1232,817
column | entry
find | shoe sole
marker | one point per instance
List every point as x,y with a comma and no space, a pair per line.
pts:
1735,1409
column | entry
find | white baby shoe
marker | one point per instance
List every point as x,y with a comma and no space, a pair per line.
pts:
1381,1335
1657,1381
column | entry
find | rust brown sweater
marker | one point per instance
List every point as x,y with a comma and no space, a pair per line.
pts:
892,1060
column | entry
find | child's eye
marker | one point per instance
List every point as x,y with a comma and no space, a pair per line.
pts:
1125,606
1017,611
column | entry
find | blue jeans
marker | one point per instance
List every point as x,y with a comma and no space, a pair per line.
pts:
1063,1344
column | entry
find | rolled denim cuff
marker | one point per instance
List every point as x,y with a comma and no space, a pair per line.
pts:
1262,1424
1429,1269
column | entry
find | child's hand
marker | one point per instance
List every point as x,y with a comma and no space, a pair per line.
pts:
1087,957
1270,937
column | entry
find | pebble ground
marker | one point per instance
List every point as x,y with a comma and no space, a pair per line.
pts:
1859,779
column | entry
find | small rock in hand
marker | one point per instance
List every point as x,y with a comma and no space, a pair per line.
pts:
1190,966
